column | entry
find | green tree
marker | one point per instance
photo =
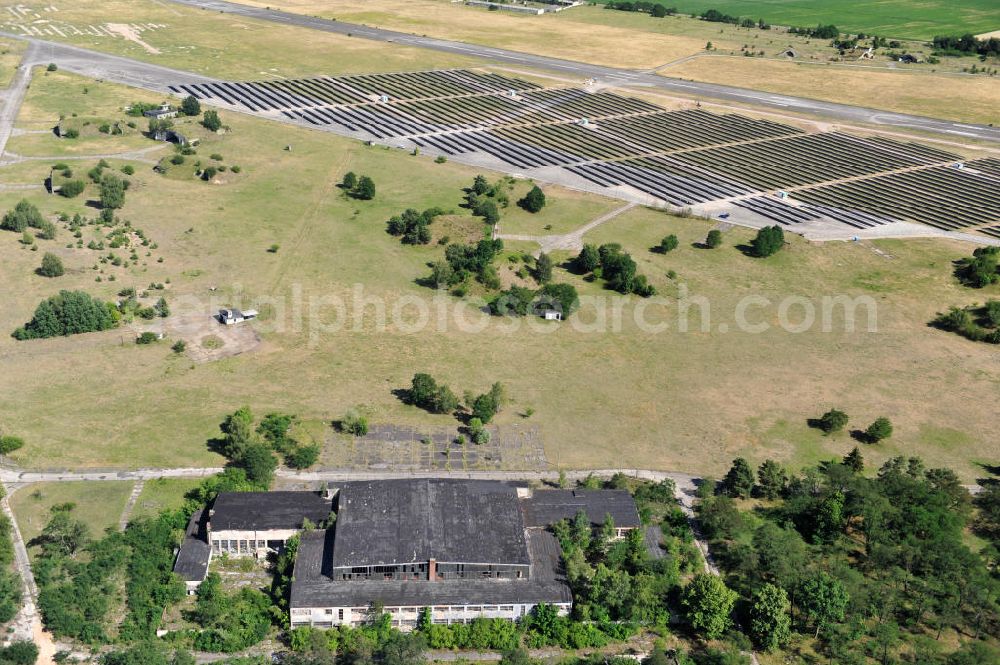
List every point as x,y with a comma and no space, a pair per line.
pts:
771,478
158,125
365,189
879,430
708,605
543,268
823,600
259,463
854,461
832,421
211,121
20,652
112,192
534,200
350,181
563,295
770,621
68,313
768,241
981,270
588,260
21,217
52,266
714,239
485,407
739,480
238,432
667,244
191,106
63,534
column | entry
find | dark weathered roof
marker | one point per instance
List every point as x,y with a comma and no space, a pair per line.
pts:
399,521
312,587
249,511
192,559
546,507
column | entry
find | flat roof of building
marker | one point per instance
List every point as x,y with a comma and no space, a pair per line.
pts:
546,507
263,511
312,586
192,558
410,520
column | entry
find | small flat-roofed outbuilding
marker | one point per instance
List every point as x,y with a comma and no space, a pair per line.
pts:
194,554
263,511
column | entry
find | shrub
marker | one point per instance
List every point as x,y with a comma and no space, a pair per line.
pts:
179,346
879,430
235,169
216,156
128,169
146,338
177,160
71,133
714,239
71,188
211,121
833,420
52,266
22,216
669,243
52,67
354,423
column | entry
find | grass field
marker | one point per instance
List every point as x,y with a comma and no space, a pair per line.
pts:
228,47
892,18
163,494
922,93
594,34
632,397
99,504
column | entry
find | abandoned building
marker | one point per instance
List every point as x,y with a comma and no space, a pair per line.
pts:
459,548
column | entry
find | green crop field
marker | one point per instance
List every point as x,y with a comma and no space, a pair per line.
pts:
892,18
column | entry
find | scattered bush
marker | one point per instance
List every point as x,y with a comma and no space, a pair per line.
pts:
52,266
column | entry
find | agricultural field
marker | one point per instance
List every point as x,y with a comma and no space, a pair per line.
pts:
892,18
665,399
99,504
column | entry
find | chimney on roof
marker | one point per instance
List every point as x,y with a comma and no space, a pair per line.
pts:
432,570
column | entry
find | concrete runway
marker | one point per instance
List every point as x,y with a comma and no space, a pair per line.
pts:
617,77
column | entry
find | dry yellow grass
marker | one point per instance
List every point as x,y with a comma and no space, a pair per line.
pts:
556,35
965,98
688,401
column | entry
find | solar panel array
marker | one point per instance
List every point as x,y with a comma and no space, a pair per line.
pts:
680,157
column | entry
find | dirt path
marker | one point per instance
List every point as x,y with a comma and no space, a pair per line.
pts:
130,504
573,240
27,624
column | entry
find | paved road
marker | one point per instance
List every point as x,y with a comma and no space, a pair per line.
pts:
613,76
104,66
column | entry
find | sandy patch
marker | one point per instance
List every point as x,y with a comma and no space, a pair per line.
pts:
987,35
130,34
